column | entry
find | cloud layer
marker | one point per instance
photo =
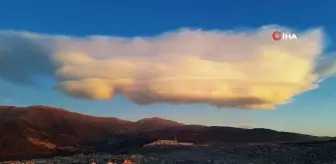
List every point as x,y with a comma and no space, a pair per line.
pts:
242,69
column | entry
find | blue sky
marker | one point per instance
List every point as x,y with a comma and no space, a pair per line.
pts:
312,112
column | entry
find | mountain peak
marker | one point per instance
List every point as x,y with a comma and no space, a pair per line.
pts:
42,107
157,120
151,119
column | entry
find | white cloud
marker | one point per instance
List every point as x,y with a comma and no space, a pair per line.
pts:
244,69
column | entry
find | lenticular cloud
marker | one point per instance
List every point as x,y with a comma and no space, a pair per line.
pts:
241,69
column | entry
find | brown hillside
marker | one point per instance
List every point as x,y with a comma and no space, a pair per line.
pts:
40,131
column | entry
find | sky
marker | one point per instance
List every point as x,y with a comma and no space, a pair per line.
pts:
196,62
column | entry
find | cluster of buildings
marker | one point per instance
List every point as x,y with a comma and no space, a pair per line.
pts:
236,153
168,143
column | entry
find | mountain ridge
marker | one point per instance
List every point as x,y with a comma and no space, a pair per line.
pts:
38,131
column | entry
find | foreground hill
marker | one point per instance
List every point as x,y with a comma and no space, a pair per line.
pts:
39,131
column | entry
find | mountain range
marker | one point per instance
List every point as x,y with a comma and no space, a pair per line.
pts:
42,131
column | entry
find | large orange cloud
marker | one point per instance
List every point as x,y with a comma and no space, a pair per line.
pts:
243,69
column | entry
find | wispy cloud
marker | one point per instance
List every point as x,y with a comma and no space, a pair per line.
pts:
243,69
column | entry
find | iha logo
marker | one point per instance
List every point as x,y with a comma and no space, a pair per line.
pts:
277,35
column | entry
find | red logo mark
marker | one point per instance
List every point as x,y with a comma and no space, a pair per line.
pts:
276,35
